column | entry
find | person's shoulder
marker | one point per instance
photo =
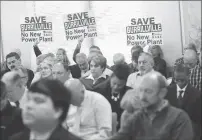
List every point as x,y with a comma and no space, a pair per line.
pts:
193,90
177,112
72,137
23,135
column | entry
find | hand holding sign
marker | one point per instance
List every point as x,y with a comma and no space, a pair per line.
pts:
36,43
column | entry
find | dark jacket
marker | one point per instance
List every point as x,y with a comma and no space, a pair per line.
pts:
58,134
160,66
191,103
105,90
11,121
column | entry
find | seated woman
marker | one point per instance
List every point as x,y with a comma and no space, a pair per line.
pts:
44,71
97,75
159,62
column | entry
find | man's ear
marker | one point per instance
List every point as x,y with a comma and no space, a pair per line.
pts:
58,113
163,93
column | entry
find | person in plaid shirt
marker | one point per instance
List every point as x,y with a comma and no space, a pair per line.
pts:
190,59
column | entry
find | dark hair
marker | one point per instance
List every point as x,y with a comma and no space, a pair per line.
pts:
181,68
3,90
12,54
100,60
56,91
138,47
136,54
96,47
122,71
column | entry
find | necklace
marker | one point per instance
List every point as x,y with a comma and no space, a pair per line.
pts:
115,97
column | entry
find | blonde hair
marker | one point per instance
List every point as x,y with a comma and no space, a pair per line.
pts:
158,48
65,60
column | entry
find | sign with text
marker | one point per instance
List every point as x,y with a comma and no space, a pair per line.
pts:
36,28
144,31
79,24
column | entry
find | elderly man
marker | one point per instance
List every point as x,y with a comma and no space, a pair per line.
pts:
14,86
13,61
157,120
61,72
11,121
145,65
118,58
190,60
93,116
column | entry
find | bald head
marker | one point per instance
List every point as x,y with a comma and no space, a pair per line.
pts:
10,78
77,91
190,58
118,58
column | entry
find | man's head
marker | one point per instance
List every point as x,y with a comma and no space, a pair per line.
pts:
152,89
94,49
98,65
136,48
135,55
77,91
47,105
181,75
13,61
3,95
118,58
61,72
14,85
119,77
82,61
145,63
190,58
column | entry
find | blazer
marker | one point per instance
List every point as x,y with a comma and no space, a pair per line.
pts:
58,134
191,104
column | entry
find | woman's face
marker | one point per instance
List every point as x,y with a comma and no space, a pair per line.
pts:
95,69
154,51
45,70
60,56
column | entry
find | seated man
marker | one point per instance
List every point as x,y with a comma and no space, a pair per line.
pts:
157,120
61,72
145,65
45,111
13,61
97,75
93,116
15,87
11,121
183,95
115,88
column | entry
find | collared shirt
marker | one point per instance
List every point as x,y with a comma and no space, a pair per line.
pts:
134,79
179,89
42,137
95,80
93,119
195,77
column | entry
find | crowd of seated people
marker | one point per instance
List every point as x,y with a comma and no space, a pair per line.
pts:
90,100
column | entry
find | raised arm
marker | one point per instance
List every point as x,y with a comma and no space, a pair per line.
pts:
36,48
78,48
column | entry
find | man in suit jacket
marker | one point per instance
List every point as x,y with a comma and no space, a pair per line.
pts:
13,62
11,120
45,111
183,95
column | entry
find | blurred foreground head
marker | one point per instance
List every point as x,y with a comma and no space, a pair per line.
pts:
47,105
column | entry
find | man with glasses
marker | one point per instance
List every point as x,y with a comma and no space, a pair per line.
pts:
183,95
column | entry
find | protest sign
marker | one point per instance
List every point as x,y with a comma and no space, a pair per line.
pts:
144,31
36,28
79,24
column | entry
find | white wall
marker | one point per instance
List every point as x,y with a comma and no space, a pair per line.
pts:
111,17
